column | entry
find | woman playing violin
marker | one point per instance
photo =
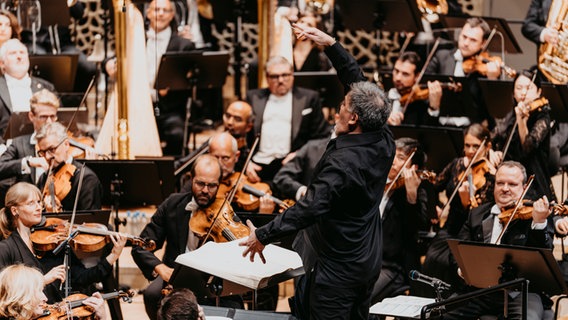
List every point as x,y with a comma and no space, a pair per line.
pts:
53,145
22,298
21,213
530,141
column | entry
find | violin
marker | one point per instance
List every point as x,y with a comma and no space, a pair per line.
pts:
72,307
523,213
537,105
477,178
478,63
216,222
57,187
284,204
421,92
244,200
91,237
422,174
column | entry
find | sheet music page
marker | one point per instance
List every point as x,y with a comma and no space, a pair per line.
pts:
401,306
225,260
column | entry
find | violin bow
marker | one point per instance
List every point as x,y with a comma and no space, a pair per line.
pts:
465,173
515,125
231,195
400,171
517,206
421,74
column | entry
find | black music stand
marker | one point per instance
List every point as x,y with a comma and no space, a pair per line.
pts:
386,15
82,216
510,42
190,71
19,123
537,265
557,96
498,96
59,69
441,144
326,83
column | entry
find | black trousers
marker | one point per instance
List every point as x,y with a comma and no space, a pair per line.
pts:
316,301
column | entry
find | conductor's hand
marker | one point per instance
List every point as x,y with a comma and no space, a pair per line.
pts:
319,37
253,246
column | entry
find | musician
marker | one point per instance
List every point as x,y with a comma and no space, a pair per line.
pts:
307,55
9,26
223,146
195,20
530,143
339,237
286,117
472,38
53,145
180,303
170,106
534,26
21,213
404,76
238,120
483,225
20,162
404,211
170,223
15,64
22,298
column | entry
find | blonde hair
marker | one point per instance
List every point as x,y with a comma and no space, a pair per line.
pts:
19,292
44,97
16,195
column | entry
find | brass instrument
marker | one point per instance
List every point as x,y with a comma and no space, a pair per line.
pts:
431,9
320,7
553,60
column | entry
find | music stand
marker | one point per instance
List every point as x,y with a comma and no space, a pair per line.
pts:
20,124
496,96
441,144
510,42
326,83
82,216
59,69
386,15
537,265
557,96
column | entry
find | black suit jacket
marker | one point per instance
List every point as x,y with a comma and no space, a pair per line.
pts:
11,159
443,63
170,223
536,18
518,233
6,102
307,118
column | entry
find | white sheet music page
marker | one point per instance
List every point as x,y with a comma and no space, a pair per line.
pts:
401,306
225,260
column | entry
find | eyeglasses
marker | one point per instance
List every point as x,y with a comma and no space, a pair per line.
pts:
52,117
202,185
285,76
32,204
51,150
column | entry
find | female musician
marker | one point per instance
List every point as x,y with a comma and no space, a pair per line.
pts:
22,298
53,145
9,26
530,141
307,55
448,179
21,213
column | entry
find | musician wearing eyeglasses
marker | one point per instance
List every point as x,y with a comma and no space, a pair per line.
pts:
53,146
286,118
534,229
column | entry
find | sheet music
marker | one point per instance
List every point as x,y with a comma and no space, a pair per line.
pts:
401,306
225,260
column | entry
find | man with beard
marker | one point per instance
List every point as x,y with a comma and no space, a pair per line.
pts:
170,224
419,112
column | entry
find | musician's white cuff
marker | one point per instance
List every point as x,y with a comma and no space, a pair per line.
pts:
300,192
539,226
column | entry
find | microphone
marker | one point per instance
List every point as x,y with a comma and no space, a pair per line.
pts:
434,282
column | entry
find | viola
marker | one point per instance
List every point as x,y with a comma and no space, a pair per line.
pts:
57,187
72,307
537,105
477,178
523,213
422,174
91,237
421,92
216,222
478,63
79,144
